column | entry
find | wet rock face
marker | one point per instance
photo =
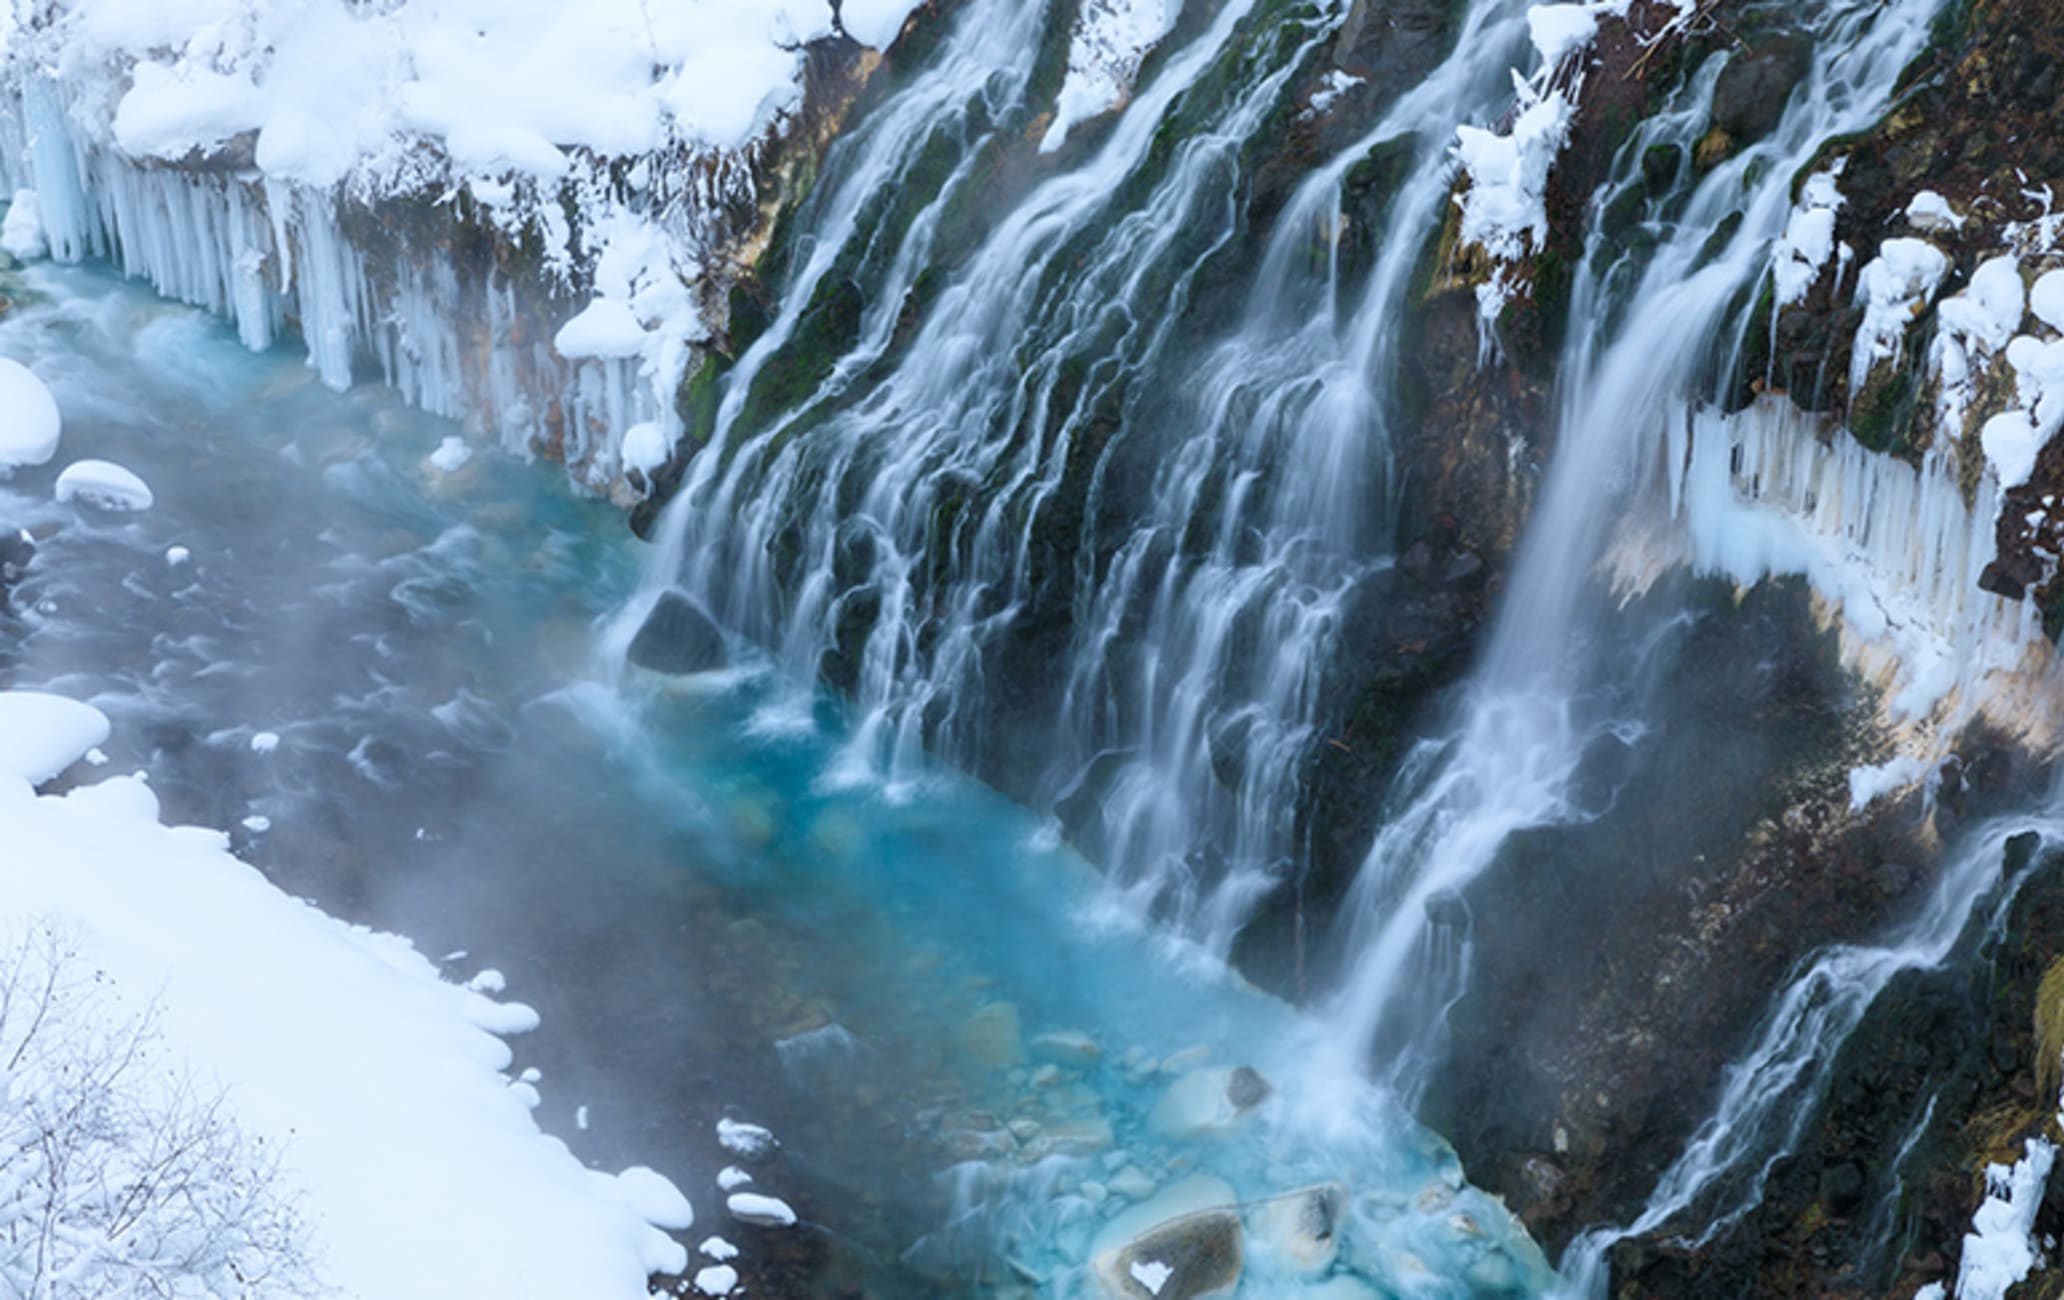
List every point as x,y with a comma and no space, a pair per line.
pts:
1940,1079
678,638
1623,961
1750,96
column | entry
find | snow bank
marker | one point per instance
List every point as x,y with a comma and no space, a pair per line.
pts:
616,141
105,484
29,422
381,1086
328,88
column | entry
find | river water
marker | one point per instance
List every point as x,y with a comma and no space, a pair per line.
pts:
713,918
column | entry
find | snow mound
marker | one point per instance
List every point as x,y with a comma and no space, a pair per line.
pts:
646,447
1931,212
742,1139
606,329
41,735
105,484
29,422
762,1211
2046,300
451,455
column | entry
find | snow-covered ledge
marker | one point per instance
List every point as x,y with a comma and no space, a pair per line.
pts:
455,201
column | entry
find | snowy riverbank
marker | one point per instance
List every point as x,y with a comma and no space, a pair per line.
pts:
380,1086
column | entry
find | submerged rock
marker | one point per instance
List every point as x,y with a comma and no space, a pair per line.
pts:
678,638
1302,1228
1209,1103
1195,1255
991,1036
1066,1047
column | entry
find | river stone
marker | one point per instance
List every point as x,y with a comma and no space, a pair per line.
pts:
1302,1228
1131,1184
1344,1286
677,638
1181,1259
1082,1137
991,1037
1066,1048
1246,1089
1208,1103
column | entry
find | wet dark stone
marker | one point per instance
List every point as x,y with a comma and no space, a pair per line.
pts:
1750,96
17,549
1447,908
1842,1186
678,637
1246,1088
1659,168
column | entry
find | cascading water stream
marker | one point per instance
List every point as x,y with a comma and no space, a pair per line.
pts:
1292,432
1768,1096
1530,712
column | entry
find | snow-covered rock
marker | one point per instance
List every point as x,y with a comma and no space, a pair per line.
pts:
2046,300
748,1140
29,422
1894,287
606,329
1931,213
1111,39
451,456
42,734
1998,1251
1808,243
760,1211
104,484
654,1198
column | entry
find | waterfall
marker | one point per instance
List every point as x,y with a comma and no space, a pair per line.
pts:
1532,708
1768,1096
1060,530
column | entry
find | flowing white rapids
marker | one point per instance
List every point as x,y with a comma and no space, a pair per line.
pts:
1526,720
917,490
